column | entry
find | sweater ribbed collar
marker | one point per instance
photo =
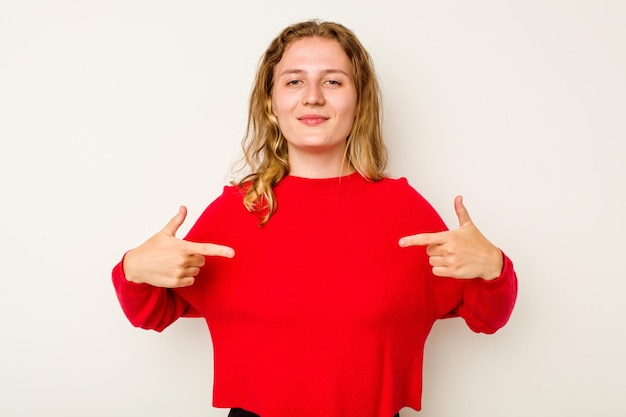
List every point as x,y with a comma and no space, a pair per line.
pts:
318,185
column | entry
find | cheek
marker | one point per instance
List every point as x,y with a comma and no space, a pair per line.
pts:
280,113
280,105
348,109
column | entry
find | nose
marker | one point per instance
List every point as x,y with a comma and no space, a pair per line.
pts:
313,95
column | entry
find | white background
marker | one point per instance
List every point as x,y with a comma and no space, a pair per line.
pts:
113,113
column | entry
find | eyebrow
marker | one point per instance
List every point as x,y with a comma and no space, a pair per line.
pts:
327,71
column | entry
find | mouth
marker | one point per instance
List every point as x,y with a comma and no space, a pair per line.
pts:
312,119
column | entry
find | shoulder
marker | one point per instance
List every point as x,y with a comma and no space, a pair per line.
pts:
231,197
399,188
224,211
407,202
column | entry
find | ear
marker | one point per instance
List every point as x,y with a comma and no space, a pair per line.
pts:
269,107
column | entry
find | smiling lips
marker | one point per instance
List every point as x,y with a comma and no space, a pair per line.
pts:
312,119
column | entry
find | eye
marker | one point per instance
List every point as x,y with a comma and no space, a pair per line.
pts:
294,82
333,83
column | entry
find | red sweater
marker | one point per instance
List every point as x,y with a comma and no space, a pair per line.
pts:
320,312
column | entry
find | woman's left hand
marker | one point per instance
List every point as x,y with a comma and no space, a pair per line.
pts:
463,253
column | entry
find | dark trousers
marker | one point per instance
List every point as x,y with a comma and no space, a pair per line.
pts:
239,412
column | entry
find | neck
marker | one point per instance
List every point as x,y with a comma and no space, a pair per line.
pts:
319,165
320,169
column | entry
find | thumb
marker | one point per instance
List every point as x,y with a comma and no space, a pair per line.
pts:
461,212
172,227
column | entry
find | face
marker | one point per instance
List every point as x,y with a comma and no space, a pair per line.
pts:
314,98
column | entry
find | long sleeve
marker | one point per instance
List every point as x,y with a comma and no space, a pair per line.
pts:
156,308
486,306
147,306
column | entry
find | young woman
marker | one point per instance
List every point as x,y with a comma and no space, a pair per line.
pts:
319,276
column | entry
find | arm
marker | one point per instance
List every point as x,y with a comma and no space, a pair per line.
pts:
148,306
486,306
144,278
477,281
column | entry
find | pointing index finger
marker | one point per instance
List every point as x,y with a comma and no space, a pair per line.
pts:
209,249
423,239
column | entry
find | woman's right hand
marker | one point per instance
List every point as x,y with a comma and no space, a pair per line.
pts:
166,261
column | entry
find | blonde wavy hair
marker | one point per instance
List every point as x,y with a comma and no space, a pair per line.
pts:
265,153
